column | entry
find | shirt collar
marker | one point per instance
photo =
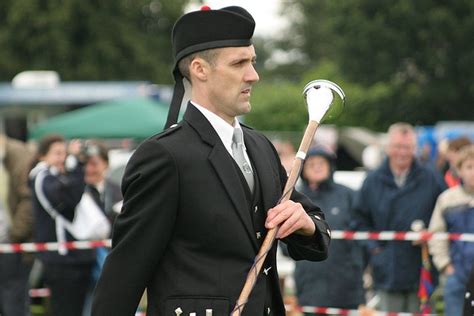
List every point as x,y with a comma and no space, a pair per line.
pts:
223,129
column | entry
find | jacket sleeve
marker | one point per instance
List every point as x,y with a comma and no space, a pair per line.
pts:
439,249
312,248
64,191
141,231
19,160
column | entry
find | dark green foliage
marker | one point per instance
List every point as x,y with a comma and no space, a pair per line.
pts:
88,40
397,60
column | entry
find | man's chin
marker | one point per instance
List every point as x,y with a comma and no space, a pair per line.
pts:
246,108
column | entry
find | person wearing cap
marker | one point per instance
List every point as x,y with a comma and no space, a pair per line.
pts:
337,281
199,199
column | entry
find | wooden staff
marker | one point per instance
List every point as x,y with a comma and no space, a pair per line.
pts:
320,100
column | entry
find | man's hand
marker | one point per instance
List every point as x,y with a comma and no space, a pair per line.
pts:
292,218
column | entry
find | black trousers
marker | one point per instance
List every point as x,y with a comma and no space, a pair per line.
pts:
68,284
14,273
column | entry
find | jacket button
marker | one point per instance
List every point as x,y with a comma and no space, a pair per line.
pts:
259,235
255,209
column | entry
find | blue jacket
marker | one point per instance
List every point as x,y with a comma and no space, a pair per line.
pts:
382,206
337,281
460,219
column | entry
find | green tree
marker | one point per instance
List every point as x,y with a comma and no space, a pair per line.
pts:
277,106
410,60
89,40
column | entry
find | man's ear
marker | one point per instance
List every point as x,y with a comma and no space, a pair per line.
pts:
199,69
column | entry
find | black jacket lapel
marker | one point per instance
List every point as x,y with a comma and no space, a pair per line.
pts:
223,165
262,165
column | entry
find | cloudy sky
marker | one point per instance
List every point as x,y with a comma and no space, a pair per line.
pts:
265,13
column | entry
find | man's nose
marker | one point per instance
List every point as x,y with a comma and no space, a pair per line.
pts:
252,75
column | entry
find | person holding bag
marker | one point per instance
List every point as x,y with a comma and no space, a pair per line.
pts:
57,182
106,195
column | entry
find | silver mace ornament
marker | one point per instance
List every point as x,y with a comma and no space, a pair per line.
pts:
325,101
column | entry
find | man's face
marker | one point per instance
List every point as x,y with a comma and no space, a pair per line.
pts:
95,170
401,149
230,81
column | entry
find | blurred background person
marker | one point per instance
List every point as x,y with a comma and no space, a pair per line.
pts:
392,197
454,213
106,195
15,226
286,152
427,150
337,281
67,275
451,177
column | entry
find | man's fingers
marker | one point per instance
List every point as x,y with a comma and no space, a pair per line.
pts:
289,226
273,212
280,213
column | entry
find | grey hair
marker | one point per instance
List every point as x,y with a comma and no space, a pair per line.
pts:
402,128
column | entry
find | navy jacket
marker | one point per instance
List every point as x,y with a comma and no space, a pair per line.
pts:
460,219
63,191
337,281
382,206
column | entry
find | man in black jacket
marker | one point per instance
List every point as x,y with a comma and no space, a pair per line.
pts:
198,199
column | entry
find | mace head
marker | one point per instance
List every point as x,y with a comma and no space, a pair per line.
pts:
325,100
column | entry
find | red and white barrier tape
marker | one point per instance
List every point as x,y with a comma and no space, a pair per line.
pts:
351,312
52,246
335,234
393,235
44,292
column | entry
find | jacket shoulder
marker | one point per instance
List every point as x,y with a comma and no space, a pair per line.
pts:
167,132
453,196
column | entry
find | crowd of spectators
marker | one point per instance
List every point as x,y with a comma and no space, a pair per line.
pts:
403,189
